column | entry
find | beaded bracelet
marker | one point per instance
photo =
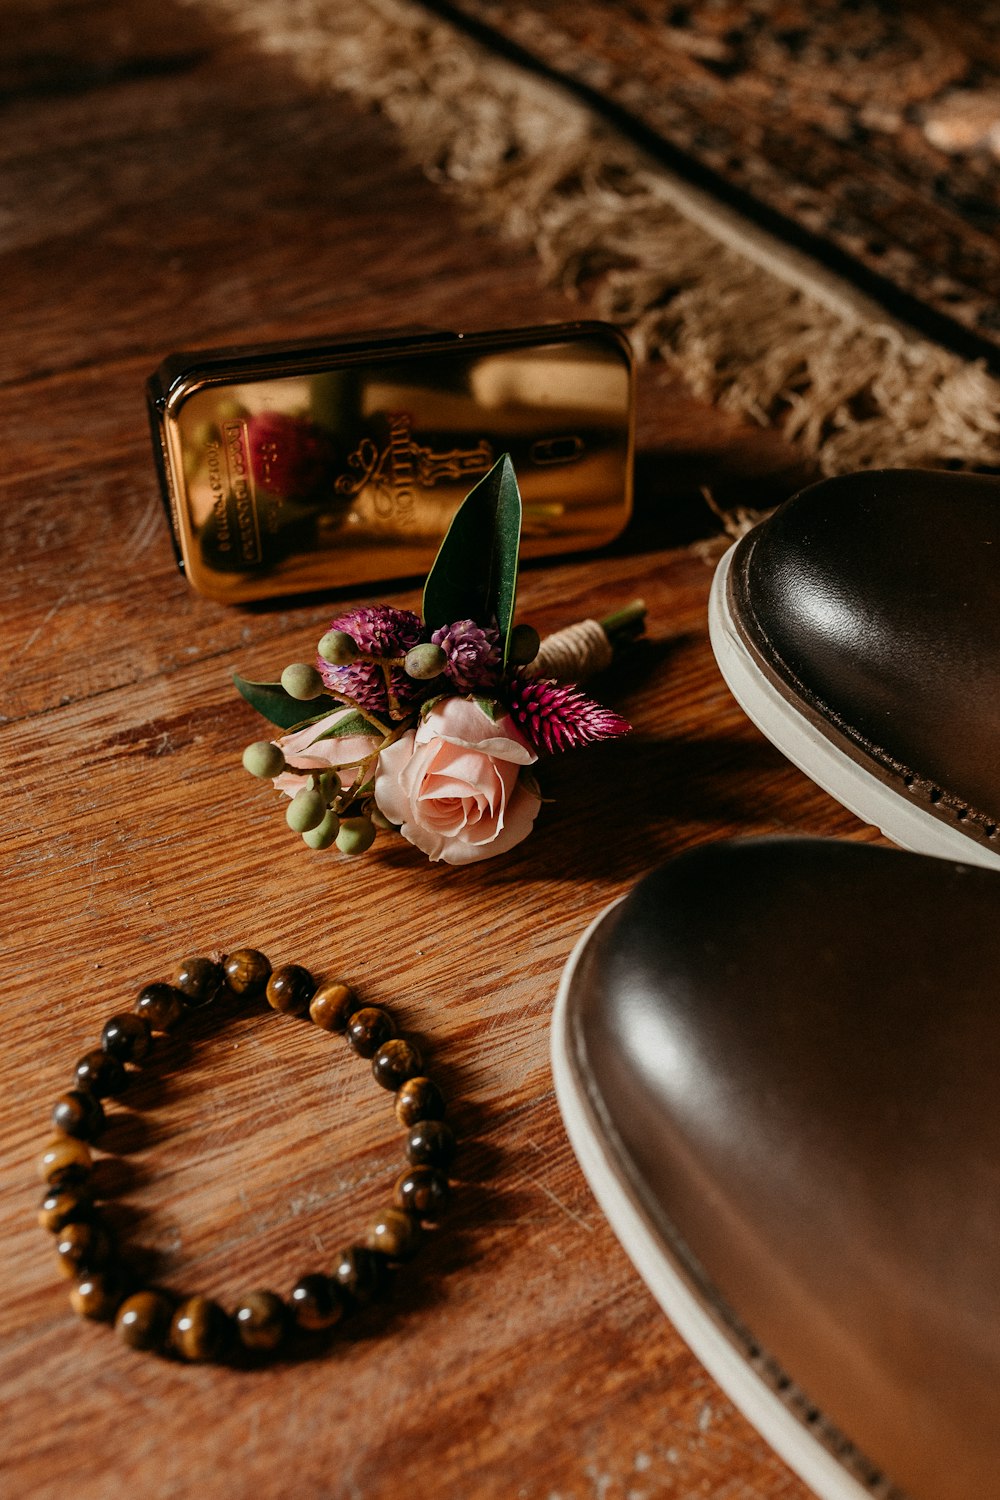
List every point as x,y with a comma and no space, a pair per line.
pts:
198,1328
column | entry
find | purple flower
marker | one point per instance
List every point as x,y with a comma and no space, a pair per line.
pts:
473,654
554,716
379,630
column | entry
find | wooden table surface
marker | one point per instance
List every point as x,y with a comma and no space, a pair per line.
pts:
165,189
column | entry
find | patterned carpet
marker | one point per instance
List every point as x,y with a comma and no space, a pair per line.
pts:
865,132
752,323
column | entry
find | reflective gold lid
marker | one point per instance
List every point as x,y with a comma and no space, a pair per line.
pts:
325,466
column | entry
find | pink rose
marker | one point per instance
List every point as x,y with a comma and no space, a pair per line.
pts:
452,784
306,750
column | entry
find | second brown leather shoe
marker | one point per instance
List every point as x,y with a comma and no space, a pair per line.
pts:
778,1063
859,627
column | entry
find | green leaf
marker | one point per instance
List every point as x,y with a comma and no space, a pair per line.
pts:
355,723
430,703
474,576
278,707
489,707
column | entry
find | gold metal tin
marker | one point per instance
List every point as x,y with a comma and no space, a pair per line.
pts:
325,465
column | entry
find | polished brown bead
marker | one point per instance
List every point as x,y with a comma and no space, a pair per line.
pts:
368,1028
419,1099
316,1301
247,971
65,1162
394,1233
62,1206
101,1073
423,1191
97,1295
332,1005
79,1113
261,1320
430,1143
82,1245
143,1320
127,1037
362,1273
198,979
200,1330
290,989
395,1062
161,1005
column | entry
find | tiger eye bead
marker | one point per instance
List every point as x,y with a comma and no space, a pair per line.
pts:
316,1301
161,1005
127,1037
65,1162
430,1143
290,989
368,1028
332,1005
199,1330
82,1245
143,1320
198,979
247,971
62,1206
395,1062
79,1113
419,1099
362,1273
101,1073
261,1320
394,1233
423,1191
97,1295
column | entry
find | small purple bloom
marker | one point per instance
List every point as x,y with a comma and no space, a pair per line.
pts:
383,631
473,653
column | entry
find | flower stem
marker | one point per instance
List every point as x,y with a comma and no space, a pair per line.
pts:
626,623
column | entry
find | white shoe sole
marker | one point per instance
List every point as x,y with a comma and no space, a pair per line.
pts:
673,1287
825,763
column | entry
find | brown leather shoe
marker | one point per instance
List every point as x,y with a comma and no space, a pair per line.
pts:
778,1063
859,627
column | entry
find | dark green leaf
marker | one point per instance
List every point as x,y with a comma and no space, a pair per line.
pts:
278,707
474,576
488,706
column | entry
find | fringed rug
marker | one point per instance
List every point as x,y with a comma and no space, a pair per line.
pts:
752,323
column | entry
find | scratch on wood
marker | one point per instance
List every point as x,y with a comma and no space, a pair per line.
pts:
564,1207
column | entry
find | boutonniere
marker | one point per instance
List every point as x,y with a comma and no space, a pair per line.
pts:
430,725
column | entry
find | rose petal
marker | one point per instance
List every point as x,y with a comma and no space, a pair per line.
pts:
460,721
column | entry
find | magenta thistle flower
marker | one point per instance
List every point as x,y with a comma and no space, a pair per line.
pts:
379,630
473,653
554,716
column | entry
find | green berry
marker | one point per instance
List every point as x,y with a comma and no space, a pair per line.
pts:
329,784
301,681
263,759
356,835
324,834
523,645
306,810
380,820
338,648
424,662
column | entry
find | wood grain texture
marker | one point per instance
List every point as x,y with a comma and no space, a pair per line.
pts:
172,190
